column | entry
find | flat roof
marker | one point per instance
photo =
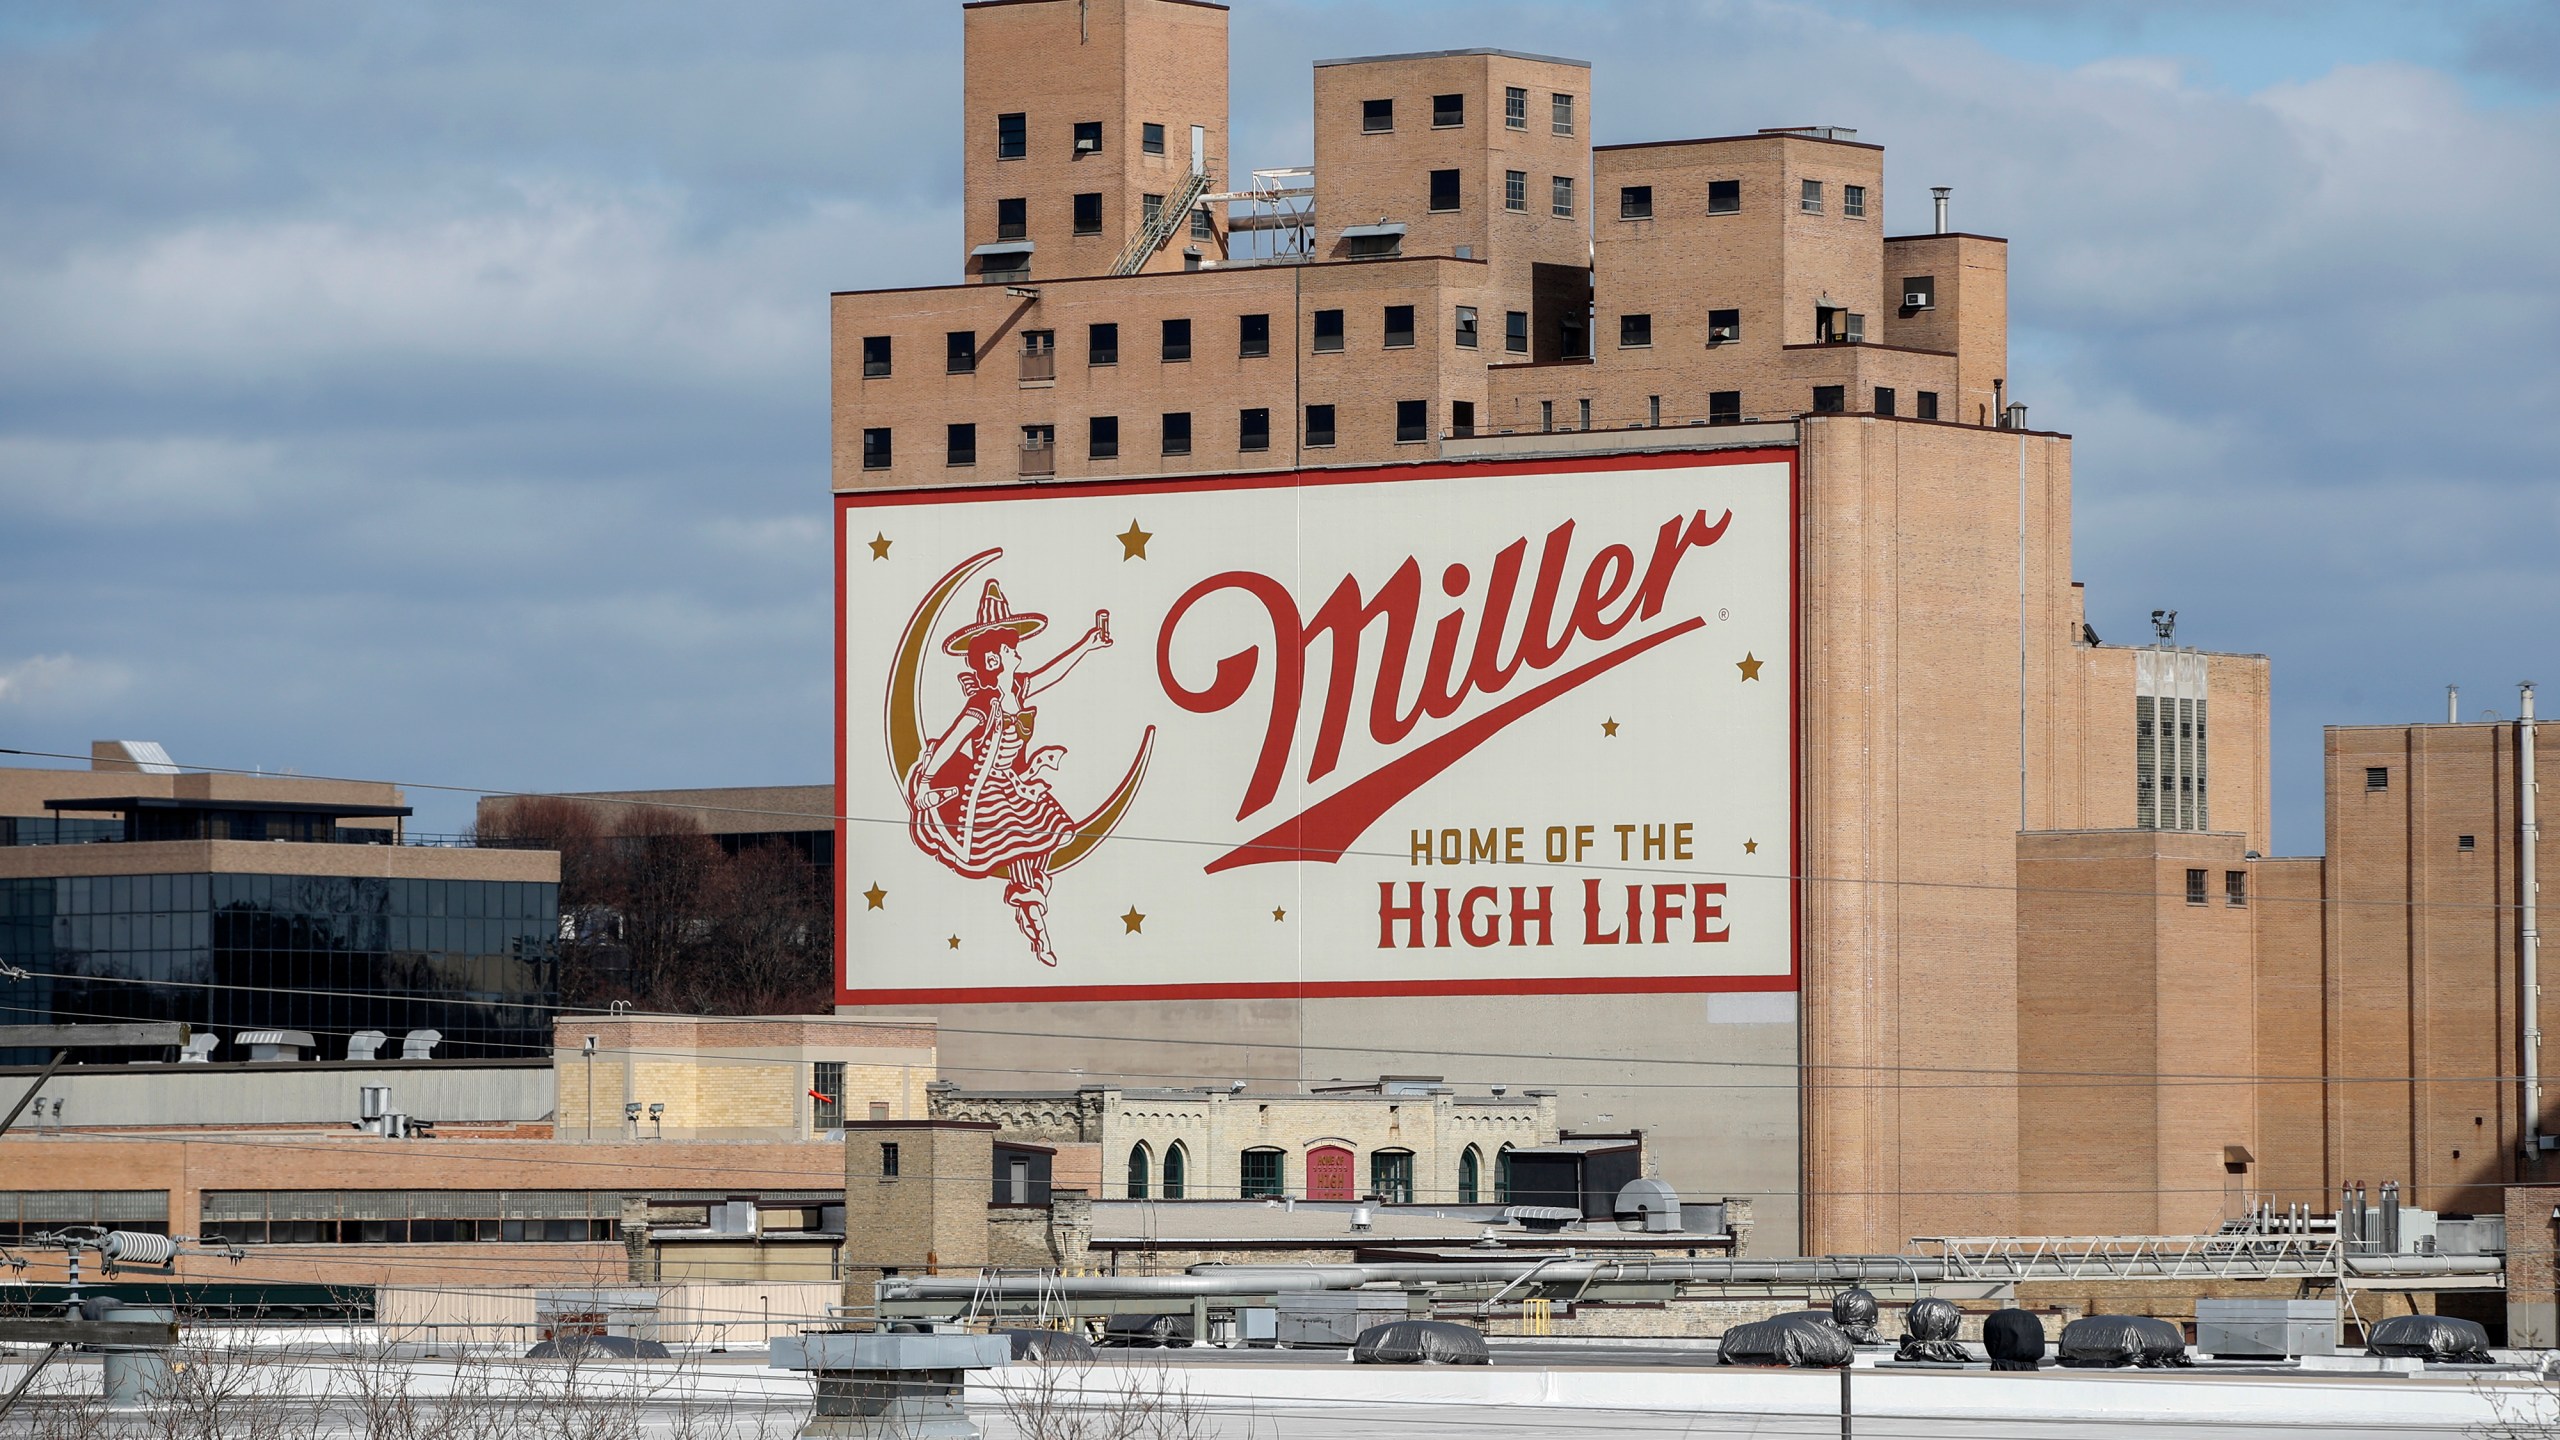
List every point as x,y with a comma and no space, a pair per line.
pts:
1764,135
1455,55
130,803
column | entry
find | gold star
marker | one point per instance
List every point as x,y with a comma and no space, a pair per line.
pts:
955,942
1750,847
1609,727
1133,542
1278,914
875,895
1750,666
1133,920
880,547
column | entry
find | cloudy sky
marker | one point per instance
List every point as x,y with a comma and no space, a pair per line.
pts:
437,391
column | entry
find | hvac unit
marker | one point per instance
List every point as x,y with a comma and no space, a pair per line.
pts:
1916,299
1723,332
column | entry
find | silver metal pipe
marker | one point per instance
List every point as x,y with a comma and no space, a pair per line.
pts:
1939,193
2529,946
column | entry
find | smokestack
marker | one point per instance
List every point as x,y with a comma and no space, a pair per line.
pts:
1939,192
2529,949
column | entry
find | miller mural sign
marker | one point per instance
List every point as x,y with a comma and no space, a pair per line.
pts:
1489,728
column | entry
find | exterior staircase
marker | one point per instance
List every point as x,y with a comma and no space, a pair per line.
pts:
1175,214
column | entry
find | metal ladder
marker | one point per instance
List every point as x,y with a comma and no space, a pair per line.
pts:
1177,211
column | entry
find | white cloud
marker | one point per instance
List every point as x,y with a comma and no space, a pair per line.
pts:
47,685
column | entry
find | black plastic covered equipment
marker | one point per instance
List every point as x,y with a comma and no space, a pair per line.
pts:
2106,1342
1141,1331
1854,1311
2440,1338
2014,1338
1047,1347
1929,1333
1799,1340
597,1347
1420,1342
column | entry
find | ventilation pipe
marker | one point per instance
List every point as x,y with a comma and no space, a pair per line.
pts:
1939,194
2453,704
2529,948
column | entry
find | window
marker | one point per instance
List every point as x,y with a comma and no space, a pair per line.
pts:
1013,219
875,356
1203,226
960,445
889,1160
1583,407
2195,887
1177,1171
2377,777
1811,202
1466,336
1561,201
1830,399
1391,1176
1017,1181
1259,1174
1515,190
1151,138
1515,332
960,352
1919,292
1448,110
1177,340
1088,137
1470,1175
1635,202
1177,432
1377,116
1328,330
1653,410
1724,407
1724,197
2235,889
826,1083
1571,337
1089,213
1444,189
2467,843
1139,1169
1924,405
1635,331
1102,344
1253,429
1502,1175
1013,137
1560,114
1853,202
1723,325
1102,437
1515,107
1253,336
1150,210
1884,400
1462,417
1853,328
1399,326
1319,425
1546,415
1413,421
875,449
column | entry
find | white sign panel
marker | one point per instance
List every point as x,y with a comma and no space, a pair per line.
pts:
1489,728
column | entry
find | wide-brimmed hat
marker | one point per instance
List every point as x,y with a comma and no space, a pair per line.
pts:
994,615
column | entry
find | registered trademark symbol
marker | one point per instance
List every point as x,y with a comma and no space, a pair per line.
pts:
1724,614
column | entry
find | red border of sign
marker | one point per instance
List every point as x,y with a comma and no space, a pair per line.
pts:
1790,982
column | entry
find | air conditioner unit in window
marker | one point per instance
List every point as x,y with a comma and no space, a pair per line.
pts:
1087,147
1723,332
1916,299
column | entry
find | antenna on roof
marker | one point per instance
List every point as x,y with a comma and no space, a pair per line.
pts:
2164,623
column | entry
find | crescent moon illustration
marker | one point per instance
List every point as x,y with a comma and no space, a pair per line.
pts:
903,723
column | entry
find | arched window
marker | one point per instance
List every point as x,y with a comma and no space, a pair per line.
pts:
1177,1166
1470,1175
1391,1176
1502,1175
1258,1174
1138,1168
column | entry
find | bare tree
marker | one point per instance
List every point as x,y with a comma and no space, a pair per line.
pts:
1062,1400
764,946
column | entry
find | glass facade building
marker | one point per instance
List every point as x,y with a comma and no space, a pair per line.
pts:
476,960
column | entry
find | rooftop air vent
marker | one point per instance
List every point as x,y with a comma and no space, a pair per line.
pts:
276,1044
420,1044
364,1044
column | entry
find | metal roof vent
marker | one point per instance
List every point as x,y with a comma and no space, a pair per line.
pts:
365,1044
277,1044
420,1044
1652,1203
199,1049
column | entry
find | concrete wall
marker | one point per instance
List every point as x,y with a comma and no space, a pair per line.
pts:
458,1093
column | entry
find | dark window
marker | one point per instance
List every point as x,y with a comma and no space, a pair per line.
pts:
1585,407
2377,777
1177,1178
1884,399
1448,110
1151,138
1515,331
826,1110
1138,1169
1470,1175
1515,190
1177,339
1150,210
1203,227
1102,437
1919,292
1830,399
875,449
1413,421
1653,410
1515,107
1319,425
1810,201
875,356
1560,114
1013,219
1177,432
1724,407
888,1159
1259,1174
1253,429
1328,330
1635,330
1088,137
1546,415
1444,189
1724,197
1573,342
1377,116
1391,1176
1102,345
1466,336
1853,201
1399,323
1253,336
2195,887
2467,842
1013,137
960,352
1924,404
2235,888
1089,213
1462,417
1635,202
960,445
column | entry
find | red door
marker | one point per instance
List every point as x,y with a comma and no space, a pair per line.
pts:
1329,1173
